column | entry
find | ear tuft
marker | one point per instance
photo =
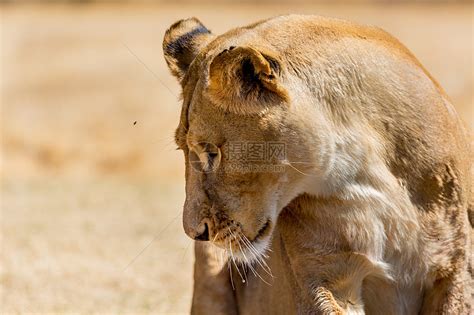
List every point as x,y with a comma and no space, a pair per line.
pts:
182,43
246,80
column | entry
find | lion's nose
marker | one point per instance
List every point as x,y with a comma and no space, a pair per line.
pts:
204,236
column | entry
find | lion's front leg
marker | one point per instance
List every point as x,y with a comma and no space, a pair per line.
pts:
326,303
213,293
335,282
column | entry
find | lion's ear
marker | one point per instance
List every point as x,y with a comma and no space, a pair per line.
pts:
182,43
246,80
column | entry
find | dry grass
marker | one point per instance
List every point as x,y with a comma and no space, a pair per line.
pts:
84,189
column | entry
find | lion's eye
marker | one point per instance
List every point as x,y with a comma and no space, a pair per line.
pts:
205,158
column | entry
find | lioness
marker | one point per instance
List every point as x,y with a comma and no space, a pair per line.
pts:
362,206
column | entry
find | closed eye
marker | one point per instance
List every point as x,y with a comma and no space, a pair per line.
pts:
212,155
205,158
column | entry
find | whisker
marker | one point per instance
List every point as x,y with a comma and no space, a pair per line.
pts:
233,259
243,253
230,272
259,257
302,173
255,272
186,250
302,162
215,237
222,252
151,241
241,250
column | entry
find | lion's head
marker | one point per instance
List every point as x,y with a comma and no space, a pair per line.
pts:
241,135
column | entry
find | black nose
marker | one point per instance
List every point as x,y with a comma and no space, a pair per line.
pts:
204,236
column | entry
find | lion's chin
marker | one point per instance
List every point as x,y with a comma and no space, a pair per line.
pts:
238,248
244,252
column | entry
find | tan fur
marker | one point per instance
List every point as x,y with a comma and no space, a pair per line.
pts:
368,212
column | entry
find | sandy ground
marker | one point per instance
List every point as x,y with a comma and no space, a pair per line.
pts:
90,201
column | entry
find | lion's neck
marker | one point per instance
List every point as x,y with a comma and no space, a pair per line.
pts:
374,207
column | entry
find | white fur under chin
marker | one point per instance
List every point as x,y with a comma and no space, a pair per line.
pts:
252,255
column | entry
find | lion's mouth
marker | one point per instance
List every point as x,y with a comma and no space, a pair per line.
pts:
264,230
229,236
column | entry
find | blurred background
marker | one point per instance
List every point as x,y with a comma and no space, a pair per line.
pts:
91,184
